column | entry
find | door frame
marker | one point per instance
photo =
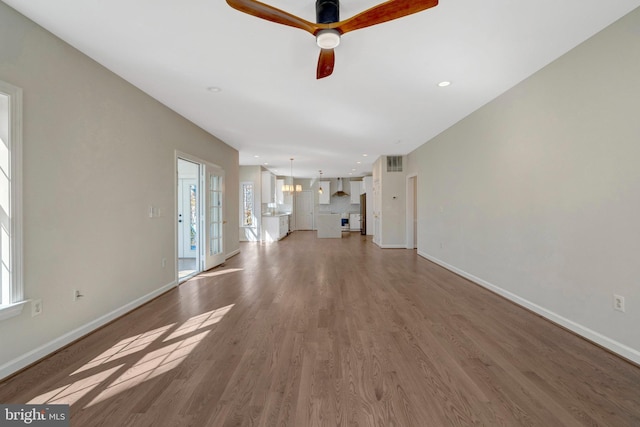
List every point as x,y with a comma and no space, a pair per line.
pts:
411,212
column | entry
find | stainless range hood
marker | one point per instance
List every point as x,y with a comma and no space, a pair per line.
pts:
340,192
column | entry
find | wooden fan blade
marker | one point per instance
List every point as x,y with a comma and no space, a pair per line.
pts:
325,63
388,11
270,13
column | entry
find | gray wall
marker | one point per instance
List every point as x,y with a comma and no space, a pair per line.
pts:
390,205
97,153
537,194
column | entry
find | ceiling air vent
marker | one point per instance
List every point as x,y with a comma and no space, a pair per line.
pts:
394,163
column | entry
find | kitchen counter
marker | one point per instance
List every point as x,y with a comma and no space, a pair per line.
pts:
329,226
275,227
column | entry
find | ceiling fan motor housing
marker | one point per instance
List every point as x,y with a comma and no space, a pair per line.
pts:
327,11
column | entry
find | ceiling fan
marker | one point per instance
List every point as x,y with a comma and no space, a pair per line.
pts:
329,28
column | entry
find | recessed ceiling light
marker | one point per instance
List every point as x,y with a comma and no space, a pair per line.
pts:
214,89
256,156
358,162
364,155
350,173
444,84
353,170
265,163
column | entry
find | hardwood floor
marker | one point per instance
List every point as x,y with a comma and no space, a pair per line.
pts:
332,332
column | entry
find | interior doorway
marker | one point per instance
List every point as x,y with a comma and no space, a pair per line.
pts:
188,204
304,210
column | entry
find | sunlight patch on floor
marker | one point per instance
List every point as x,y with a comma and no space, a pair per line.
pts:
126,347
71,393
198,322
149,363
218,272
150,366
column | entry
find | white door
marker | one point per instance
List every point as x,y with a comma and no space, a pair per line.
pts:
189,206
304,210
214,218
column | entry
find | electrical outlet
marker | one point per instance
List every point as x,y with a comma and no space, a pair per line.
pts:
77,295
36,307
618,303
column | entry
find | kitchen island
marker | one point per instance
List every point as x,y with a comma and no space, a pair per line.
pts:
329,226
275,226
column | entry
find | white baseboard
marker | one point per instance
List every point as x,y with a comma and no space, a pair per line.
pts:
591,335
33,356
402,246
232,254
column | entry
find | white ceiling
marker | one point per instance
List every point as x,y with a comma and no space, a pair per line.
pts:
382,98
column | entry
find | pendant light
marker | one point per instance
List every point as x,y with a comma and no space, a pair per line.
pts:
320,190
290,188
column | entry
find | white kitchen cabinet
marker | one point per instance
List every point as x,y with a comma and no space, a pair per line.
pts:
268,187
354,222
356,189
279,192
284,226
325,197
274,227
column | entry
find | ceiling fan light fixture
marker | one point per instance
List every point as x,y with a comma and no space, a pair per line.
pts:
328,39
328,27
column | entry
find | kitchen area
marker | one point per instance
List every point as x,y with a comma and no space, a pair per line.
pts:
330,206
342,207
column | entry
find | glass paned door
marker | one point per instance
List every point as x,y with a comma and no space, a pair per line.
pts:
190,217
214,248
188,194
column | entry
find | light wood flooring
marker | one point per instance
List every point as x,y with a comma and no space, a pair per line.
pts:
332,332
